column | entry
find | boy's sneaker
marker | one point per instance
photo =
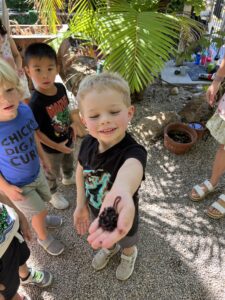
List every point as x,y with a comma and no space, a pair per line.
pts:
69,181
126,266
53,221
38,278
103,256
52,245
58,201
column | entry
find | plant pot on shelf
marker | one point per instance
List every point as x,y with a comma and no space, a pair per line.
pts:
179,137
199,128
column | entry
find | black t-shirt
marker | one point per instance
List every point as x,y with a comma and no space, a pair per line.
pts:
52,116
100,170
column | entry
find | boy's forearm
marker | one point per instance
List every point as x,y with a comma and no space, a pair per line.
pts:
45,140
39,147
129,177
3,184
81,198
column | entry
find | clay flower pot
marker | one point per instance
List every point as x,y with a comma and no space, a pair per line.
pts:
179,137
199,128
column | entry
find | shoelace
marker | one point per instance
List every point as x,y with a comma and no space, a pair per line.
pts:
38,276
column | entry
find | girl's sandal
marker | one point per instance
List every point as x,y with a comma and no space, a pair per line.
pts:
217,209
201,192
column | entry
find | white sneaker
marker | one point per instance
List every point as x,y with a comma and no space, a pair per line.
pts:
126,266
58,201
69,181
103,256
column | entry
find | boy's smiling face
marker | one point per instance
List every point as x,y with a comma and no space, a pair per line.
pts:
42,71
106,116
9,101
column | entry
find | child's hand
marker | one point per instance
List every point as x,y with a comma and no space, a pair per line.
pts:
14,193
81,219
63,148
211,92
105,239
25,227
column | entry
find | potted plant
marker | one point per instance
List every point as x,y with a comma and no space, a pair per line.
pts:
179,137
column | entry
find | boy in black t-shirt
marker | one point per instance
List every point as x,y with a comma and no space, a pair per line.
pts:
111,164
49,104
14,253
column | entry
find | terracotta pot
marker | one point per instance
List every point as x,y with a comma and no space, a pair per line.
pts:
179,147
199,128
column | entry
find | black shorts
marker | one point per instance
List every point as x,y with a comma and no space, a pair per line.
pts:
16,255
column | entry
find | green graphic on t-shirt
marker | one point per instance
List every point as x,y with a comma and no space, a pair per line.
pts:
64,116
96,185
61,122
3,220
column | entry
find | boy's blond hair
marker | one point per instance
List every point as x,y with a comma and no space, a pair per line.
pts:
9,76
102,82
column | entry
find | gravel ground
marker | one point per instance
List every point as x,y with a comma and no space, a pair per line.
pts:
181,250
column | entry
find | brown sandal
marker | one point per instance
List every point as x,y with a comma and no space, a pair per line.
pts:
218,208
201,192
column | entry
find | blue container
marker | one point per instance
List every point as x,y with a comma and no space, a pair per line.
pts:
197,59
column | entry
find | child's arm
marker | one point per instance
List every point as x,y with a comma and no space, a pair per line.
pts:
16,55
13,192
125,185
73,126
81,213
214,87
22,219
61,147
45,163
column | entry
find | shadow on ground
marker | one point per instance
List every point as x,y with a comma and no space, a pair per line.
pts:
181,250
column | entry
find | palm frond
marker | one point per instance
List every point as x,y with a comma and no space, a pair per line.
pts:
135,44
48,12
135,41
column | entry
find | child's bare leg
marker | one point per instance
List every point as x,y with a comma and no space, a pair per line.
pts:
218,166
17,297
2,297
39,225
24,271
217,170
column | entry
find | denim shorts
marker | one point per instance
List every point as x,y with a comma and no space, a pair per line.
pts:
15,256
36,193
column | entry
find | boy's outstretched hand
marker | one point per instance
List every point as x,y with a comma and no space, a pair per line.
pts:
81,219
98,238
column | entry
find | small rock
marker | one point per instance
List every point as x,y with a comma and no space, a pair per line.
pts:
152,127
196,110
174,91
